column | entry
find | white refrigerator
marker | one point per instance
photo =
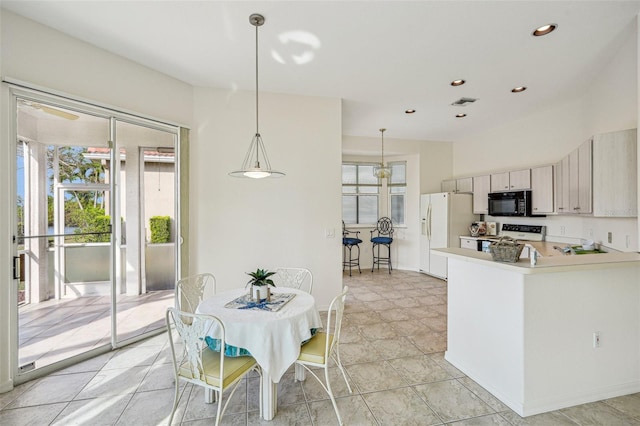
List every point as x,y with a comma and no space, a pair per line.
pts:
444,217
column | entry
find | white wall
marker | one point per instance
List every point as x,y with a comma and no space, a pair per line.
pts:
610,104
239,225
41,56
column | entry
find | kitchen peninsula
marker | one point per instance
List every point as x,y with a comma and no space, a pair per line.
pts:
563,332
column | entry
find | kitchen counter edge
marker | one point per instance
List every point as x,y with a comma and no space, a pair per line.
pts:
546,264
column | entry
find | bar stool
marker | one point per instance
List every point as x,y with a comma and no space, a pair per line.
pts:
384,237
348,243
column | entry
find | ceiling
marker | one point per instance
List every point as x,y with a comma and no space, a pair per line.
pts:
379,57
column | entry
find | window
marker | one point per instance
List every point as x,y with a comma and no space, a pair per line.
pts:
363,201
360,193
397,187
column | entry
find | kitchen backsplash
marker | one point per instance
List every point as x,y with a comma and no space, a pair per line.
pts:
571,229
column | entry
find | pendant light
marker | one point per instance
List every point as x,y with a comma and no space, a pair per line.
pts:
381,171
256,163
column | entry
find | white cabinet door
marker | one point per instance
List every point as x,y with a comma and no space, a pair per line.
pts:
464,185
615,171
448,185
584,178
520,179
500,182
481,186
562,186
542,190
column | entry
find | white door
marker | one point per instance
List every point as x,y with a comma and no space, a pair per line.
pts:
424,232
439,233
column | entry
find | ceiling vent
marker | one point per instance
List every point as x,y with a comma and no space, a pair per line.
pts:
463,101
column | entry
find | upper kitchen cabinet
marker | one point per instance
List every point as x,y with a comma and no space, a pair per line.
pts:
481,187
511,181
542,190
462,185
448,185
573,181
615,172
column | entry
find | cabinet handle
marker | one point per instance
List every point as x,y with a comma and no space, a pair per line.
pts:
576,208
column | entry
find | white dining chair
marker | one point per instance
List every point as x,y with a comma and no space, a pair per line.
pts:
190,291
195,363
300,278
324,346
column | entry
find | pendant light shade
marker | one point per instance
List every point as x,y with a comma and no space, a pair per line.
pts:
256,164
381,171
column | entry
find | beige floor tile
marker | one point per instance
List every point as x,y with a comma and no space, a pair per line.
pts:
419,369
148,408
287,415
31,416
554,418
396,348
375,376
488,420
313,391
452,401
352,409
598,413
400,407
628,404
483,394
52,389
96,411
113,382
376,331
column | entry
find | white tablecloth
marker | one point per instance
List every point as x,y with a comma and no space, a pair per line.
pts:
273,338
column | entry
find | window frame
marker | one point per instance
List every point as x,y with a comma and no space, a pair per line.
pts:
357,193
390,196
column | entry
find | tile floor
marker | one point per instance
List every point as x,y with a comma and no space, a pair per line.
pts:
54,330
393,345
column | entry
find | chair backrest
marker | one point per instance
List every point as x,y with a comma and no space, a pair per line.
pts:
188,330
299,278
190,291
334,322
346,232
384,227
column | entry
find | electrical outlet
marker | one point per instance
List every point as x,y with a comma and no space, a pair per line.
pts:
590,232
628,241
609,237
596,339
562,230
330,233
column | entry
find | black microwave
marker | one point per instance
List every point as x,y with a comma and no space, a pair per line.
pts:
513,203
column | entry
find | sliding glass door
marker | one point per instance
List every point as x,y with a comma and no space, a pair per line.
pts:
95,247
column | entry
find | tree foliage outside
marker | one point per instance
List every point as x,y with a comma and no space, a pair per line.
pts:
85,210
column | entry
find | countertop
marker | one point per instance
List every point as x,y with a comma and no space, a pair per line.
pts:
547,264
544,248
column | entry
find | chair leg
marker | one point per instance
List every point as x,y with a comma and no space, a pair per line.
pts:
175,401
338,362
330,392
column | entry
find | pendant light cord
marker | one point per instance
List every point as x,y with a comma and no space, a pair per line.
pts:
257,130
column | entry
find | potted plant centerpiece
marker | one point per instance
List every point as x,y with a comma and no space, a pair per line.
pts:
260,283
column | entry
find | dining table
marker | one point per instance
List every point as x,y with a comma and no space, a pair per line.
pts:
272,332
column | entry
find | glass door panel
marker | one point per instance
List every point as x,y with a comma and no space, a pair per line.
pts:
148,209
58,316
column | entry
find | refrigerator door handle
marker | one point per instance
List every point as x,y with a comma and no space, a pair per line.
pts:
429,222
424,226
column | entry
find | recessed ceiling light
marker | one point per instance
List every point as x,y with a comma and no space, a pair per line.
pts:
461,115
544,30
459,82
410,111
518,89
